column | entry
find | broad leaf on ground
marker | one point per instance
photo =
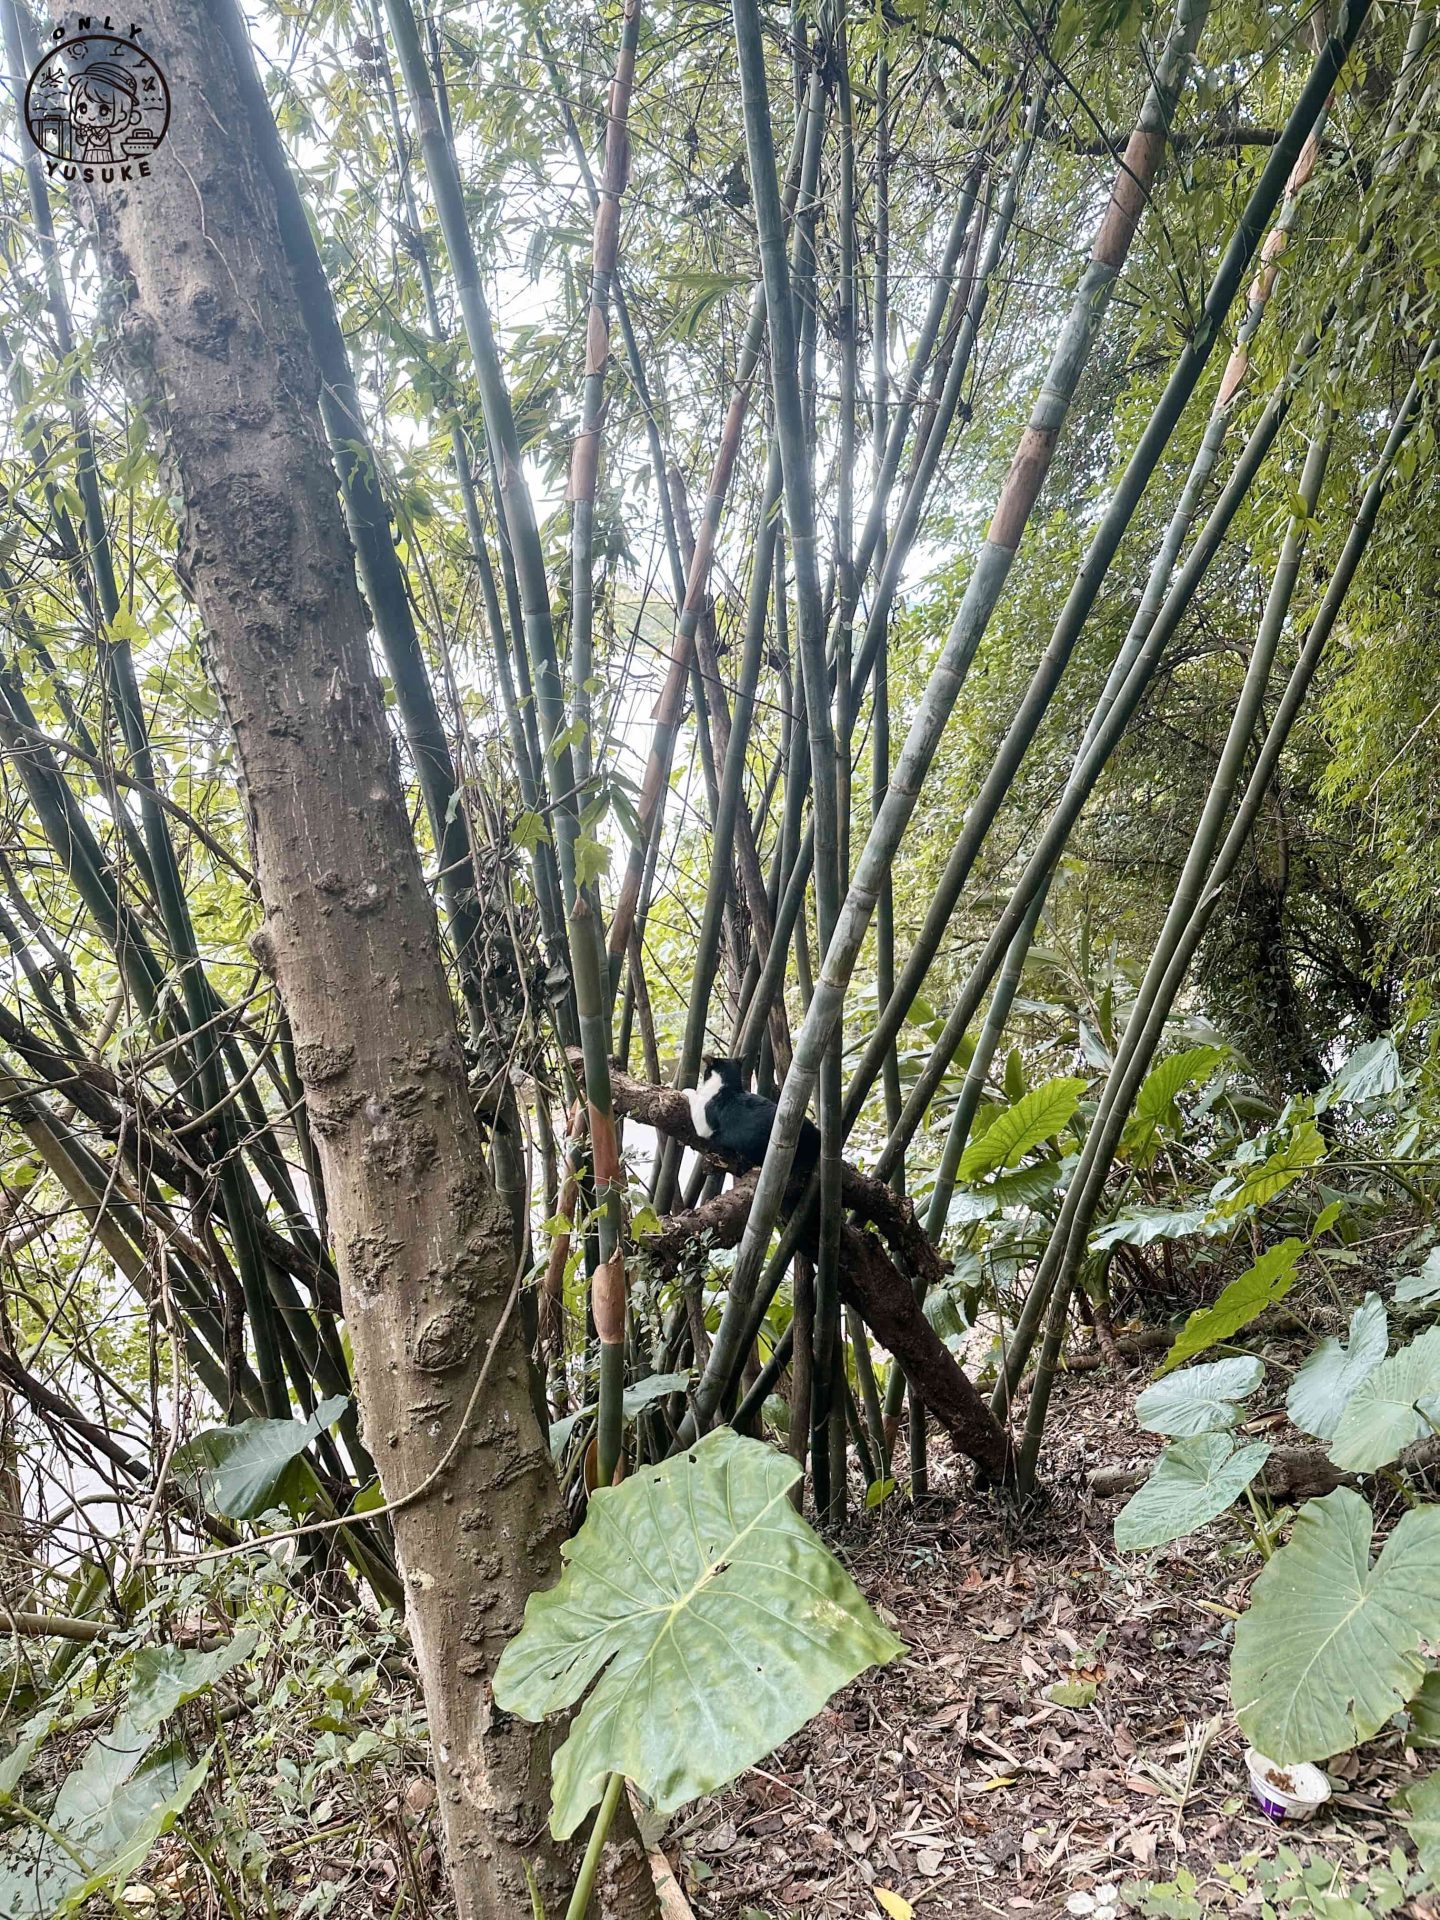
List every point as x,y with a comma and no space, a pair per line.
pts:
1321,1390
1420,1804
703,1617
107,1815
243,1471
1398,1404
1330,1647
1424,1710
1036,1117
1200,1399
1244,1300
1194,1481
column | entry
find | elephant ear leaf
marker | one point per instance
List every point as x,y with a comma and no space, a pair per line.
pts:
1194,1481
244,1471
1321,1390
703,1618
1201,1399
1396,1405
1330,1647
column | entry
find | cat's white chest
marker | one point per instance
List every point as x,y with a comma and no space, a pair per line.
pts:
700,1098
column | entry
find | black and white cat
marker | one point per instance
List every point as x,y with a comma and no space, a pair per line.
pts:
739,1122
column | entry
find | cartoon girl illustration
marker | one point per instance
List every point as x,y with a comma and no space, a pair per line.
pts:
104,101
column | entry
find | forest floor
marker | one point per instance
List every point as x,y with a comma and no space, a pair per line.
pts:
950,1779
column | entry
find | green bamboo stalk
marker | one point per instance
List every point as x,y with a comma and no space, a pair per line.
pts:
587,949
992,567
1198,892
1275,178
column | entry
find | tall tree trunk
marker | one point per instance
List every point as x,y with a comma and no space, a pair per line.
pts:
423,1242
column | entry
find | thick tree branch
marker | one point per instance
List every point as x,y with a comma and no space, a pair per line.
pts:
870,1279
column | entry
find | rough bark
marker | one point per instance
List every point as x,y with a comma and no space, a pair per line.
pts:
212,325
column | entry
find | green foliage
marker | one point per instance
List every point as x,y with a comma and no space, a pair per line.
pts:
701,1621
1200,1400
1303,1150
1390,1408
1194,1481
244,1471
1155,1113
1321,1389
1243,1301
1035,1118
1330,1646
644,1393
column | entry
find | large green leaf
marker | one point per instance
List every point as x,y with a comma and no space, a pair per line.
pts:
1372,1072
1300,1152
1421,1804
1194,1481
1244,1300
1421,1289
1330,1647
1396,1405
107,1815
243,1471
1037,1116
1321,1390
1155,1113
1139,1226
164,1678
710,1619
1200,1399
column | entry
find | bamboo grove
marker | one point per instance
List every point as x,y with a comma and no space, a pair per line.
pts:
793,462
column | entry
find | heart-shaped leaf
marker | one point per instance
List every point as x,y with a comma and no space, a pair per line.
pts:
1200,1399
1421,1805
1155,1112
1372,1072
1304,1148
1394,1407
243,1471
1321,1390
1139,1226
1194,1481
1244,1300
1330,1647
107,1815
703,1617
